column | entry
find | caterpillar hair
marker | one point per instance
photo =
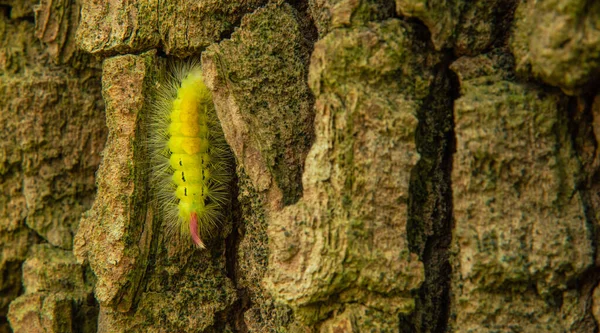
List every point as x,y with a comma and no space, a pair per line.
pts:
191,162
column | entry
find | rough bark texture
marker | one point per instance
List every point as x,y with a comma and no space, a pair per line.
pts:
402,166
558,41
52,133
516,202
467,27
180,27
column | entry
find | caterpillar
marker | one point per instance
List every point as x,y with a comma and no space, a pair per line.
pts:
190,158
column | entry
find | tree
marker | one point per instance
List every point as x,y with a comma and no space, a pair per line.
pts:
401,166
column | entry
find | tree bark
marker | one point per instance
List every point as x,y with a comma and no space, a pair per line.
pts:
401,166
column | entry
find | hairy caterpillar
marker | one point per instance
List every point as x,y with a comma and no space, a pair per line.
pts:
190,158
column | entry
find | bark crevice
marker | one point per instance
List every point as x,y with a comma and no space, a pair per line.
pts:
429,226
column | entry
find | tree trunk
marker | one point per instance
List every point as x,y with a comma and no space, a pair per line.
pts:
401,166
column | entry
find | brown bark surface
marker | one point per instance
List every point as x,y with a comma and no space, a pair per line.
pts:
401,166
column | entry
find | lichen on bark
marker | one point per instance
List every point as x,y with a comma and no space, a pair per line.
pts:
345,239
180,27
558,42
517,208
466,27
51,116
402,165
58,294
259,81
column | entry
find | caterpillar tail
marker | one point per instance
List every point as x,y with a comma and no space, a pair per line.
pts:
194,231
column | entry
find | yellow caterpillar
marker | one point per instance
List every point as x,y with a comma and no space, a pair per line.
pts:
191,160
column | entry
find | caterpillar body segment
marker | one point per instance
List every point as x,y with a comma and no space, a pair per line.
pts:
190,158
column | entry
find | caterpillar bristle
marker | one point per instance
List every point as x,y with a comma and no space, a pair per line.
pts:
191,161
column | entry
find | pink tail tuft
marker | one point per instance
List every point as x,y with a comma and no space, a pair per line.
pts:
194,231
